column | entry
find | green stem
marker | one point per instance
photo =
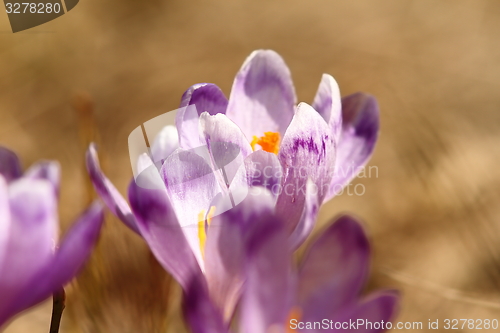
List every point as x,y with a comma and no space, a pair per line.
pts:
58,305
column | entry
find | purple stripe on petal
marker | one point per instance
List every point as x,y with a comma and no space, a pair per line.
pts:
160,228
307,151
263,97
49,170
69,259
308,218
360,126
203,97
107,191
327,103
201,314
335,267
10,166
267,295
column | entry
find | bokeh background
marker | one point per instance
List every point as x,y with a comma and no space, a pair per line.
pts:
433,212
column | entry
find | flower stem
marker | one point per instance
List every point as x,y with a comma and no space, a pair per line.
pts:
58,305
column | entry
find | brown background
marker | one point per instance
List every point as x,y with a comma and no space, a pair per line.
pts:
433,211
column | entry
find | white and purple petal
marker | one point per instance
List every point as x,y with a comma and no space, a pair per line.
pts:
225,246
202,97
107,191
191,186
32,234
160,228
68,260
307,151
262,97
328,104
360,126
308,218
226,144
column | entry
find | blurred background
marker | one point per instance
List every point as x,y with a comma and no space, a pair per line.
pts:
433,212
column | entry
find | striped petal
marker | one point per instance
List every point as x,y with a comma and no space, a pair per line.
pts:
263,97
360,126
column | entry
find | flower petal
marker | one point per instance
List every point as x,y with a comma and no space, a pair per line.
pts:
327,103
266,297
263,97
107,191
207,97
201,314
260,168
64,265
49,170
226,144
32,235
224,249
360,126
308,218
160,228
203,97
165,143
191,187
307,151
337,262
10,166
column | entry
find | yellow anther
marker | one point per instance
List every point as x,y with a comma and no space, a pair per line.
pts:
270,142
202,234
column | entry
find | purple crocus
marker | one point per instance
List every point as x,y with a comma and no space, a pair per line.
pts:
32,264
301,154
322,293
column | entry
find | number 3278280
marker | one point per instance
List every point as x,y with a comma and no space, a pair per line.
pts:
33,8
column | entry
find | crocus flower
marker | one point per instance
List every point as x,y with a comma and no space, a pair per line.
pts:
323,293
32,264
293,151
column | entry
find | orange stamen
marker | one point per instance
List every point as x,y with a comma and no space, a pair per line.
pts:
270,142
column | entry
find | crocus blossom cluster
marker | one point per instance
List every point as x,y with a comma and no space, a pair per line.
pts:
312,150
32,264
322,293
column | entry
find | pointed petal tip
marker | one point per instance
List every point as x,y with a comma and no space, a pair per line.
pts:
10,165
107,191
